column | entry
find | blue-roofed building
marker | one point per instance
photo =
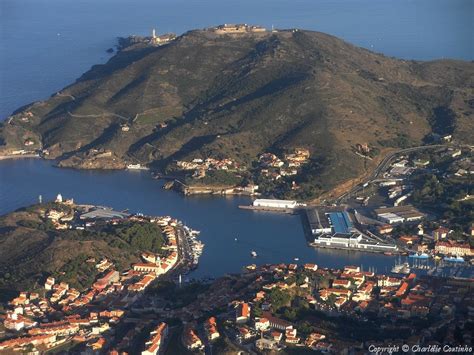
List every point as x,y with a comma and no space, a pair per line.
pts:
336,230
340,222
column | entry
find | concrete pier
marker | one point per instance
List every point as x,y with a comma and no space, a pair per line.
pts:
271,209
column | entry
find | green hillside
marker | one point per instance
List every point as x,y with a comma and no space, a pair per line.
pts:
237,96
31,249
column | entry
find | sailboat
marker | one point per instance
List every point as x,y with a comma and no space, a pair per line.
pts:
253,253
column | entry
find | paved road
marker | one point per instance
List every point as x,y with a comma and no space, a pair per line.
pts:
183,245
383,166
184,255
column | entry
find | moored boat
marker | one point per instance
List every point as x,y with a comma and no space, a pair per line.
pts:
401,268
457,259
136,167
419,256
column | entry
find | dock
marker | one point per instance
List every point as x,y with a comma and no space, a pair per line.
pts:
271,209
363,250
19,156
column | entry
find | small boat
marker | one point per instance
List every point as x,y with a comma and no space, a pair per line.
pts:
296,259
388,253
456,259
401,268
419,256
235,239
253,253
136,167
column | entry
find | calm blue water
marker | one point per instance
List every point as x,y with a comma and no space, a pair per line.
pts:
275,237
47,44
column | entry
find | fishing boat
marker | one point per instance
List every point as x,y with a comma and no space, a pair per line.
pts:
419,256
296,259
457,259
253,253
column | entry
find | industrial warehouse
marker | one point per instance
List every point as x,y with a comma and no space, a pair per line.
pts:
103,213
329,227
399,214
274,203
335,230
337,222
271,205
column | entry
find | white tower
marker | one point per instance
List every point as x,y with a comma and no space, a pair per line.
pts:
59,198
153,34
40,199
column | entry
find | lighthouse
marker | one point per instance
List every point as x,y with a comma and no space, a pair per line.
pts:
154,38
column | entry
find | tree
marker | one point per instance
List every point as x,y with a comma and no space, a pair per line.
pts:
331,299
279,298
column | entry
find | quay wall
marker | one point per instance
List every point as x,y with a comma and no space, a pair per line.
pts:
19,156
207,190
367,250
271,209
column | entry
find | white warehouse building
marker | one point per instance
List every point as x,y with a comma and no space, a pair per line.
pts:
391,218
274,203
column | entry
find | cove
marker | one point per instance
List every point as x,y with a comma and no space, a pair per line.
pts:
277,238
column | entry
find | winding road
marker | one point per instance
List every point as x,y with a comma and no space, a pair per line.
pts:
385,163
